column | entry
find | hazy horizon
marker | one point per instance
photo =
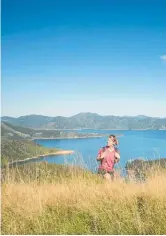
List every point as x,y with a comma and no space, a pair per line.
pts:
60,57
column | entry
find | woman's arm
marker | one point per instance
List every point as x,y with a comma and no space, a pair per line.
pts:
117,157
101,155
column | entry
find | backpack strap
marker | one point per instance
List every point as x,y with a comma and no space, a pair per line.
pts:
117,150
104,148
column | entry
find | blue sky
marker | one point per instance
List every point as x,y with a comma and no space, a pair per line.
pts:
64,57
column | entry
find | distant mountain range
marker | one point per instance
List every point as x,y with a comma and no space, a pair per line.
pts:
87,121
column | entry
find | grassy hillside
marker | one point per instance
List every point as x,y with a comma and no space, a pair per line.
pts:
15,132
11,131
49,199
12,150
16,128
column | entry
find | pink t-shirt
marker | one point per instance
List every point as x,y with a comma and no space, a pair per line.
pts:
108,162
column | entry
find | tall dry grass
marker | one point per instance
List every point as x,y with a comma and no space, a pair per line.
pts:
83,203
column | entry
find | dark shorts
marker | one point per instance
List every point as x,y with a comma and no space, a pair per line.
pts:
103,172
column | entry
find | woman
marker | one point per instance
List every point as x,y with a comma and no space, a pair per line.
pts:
108,156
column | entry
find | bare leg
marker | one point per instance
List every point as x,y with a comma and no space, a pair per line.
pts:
107,177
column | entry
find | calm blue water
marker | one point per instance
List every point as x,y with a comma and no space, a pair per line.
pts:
147,144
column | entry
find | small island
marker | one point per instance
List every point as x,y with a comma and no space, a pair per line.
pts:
14,132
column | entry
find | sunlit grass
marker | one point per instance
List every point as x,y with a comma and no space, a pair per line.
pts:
52,199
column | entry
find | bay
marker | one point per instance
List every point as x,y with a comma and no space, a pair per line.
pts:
133,144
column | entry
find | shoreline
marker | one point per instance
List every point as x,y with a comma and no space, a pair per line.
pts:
96,136
60,152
